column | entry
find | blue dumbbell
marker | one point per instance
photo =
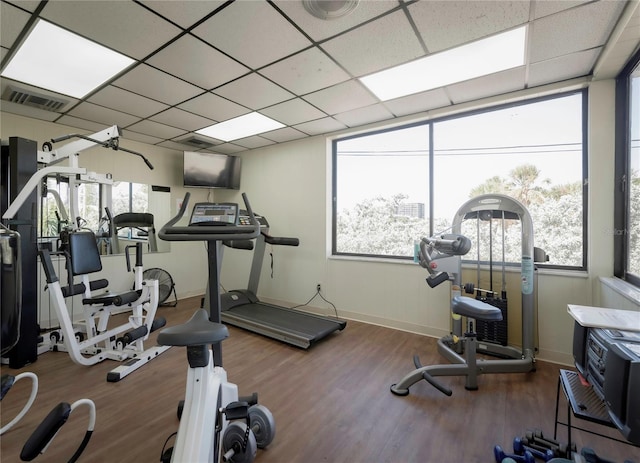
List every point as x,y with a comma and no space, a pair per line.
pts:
499,454
519,446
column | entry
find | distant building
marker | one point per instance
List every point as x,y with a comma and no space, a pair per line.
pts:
411,210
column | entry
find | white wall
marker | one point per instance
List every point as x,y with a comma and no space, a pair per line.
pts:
290,184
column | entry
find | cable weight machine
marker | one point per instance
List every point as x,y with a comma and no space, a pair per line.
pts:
441,257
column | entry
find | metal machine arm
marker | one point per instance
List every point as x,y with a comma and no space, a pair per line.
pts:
439,247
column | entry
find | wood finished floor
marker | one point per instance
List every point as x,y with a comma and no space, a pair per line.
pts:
331,403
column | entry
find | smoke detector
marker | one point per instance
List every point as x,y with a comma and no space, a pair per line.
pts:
330,9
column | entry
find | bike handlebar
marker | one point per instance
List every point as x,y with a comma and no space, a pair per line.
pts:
170,232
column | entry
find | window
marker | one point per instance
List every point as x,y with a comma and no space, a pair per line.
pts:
627,193
130,197
55,207
381,192
393,187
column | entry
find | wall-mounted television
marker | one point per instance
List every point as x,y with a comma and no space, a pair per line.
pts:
211,170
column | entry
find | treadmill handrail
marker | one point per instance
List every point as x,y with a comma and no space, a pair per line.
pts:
280,240
170,232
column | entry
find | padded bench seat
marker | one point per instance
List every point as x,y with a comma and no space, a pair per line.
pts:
473,308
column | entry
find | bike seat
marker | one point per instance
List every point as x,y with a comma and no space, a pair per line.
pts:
199,330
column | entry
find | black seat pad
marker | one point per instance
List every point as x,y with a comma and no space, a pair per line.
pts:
199,330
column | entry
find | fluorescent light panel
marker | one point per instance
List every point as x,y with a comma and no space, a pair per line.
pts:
483,57
58,60
241,127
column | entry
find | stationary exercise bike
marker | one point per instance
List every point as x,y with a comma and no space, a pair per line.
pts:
215,425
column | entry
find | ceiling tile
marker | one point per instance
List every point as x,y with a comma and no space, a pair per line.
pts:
253,142
305,72
96,113
573,30
439,22
342,97
228,148
366,115
127,102
377,45
253,91
83,124
198,63
158,85
418,102
541,9
562,68
483,87
214,107
319,29
253,33
29,5
155,129
135,136
324,125
182,119
115,24
284,134
13,21
293,112
183,17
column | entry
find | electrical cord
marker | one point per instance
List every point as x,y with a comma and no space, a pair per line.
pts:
318,293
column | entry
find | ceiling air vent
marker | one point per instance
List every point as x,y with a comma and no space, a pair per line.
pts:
30,98
197,142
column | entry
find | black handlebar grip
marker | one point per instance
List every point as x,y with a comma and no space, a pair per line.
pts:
281,241
438,278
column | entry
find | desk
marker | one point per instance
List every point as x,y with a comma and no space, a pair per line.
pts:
599,317
583,403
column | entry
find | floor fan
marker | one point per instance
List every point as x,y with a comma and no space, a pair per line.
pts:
166,285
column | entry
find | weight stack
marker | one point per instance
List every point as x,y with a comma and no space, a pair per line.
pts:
495,332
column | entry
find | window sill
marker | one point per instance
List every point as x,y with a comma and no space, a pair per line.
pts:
626,290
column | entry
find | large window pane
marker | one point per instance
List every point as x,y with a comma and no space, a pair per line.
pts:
393,187
530,152
382,192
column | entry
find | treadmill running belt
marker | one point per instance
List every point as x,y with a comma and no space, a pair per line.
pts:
284,323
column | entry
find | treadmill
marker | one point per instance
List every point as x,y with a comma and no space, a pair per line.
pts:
243,309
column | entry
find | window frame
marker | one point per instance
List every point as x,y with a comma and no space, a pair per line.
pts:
622,154
430,207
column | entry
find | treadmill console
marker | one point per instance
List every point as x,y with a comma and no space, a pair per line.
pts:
208,214
243,219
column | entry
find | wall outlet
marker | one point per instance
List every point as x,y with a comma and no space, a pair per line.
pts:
318,287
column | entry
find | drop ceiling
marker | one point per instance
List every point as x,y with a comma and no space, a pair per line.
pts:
200,62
